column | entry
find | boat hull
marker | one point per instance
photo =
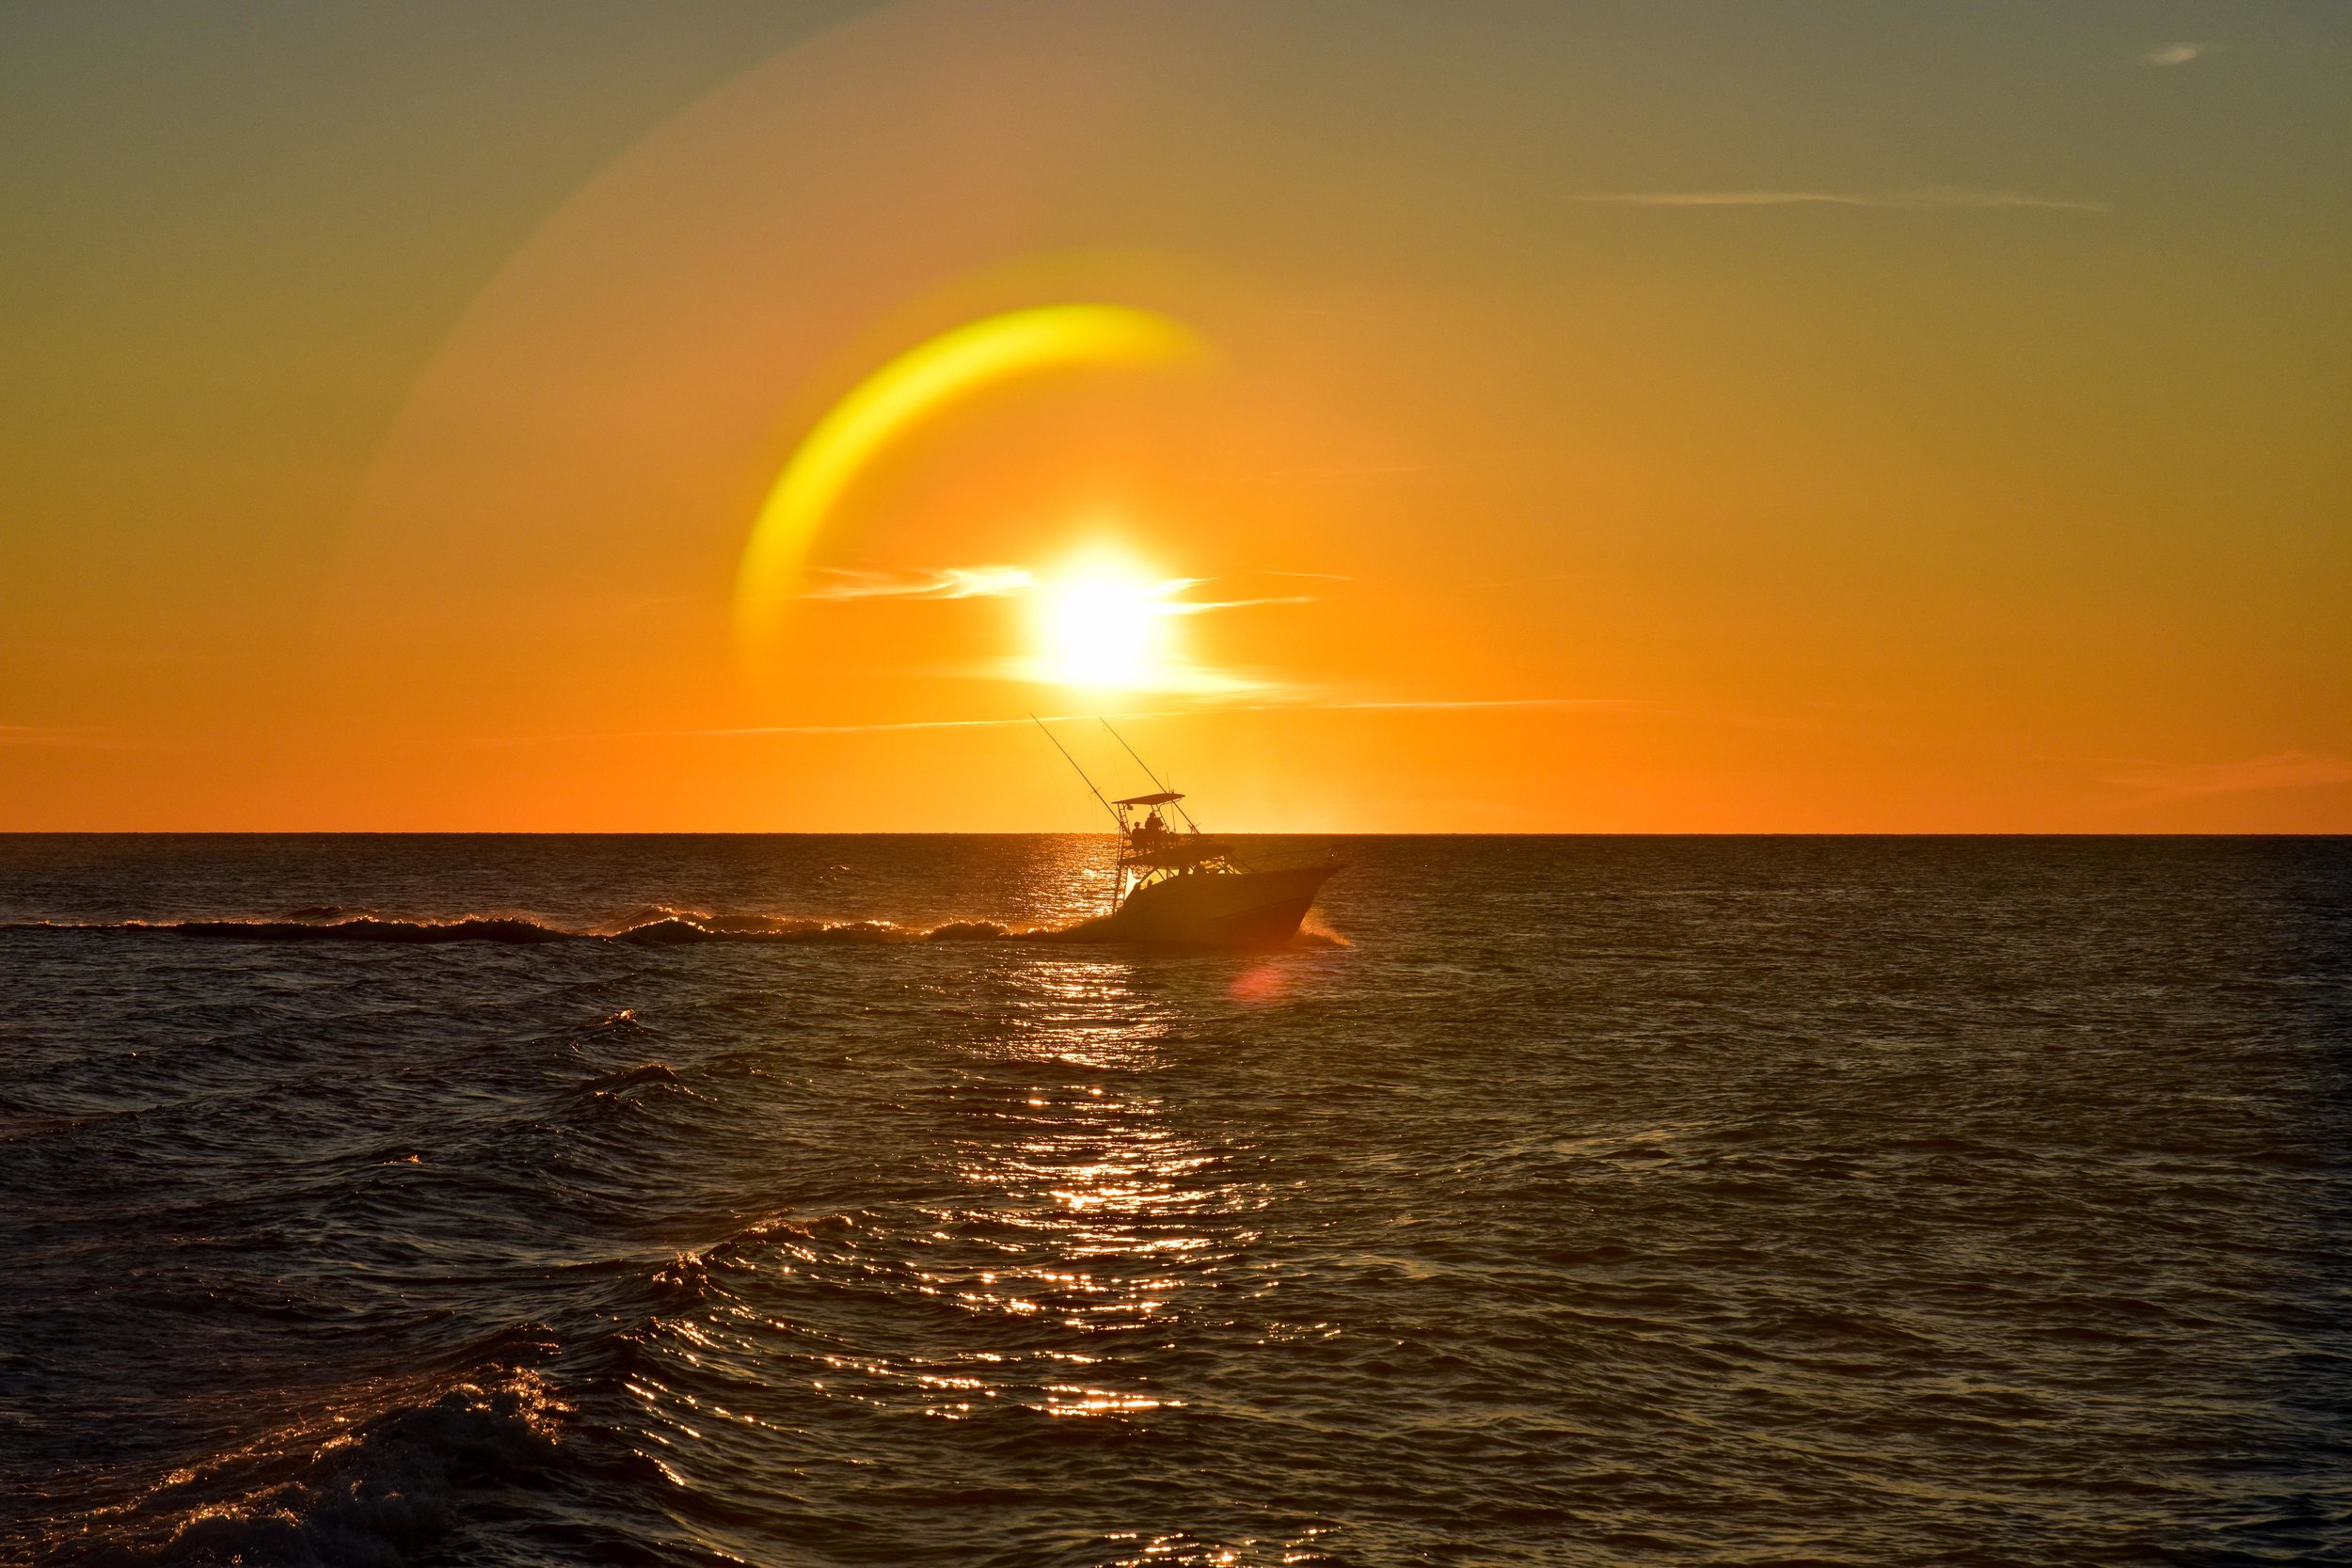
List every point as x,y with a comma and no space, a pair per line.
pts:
1246,909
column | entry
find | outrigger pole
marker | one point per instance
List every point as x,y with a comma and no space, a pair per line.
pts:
1118,881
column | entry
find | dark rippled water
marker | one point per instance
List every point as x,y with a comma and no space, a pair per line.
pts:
1577,1201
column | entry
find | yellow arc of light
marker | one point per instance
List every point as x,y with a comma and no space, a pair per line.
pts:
917,383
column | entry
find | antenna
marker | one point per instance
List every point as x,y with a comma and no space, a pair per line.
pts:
1149,775
1082,772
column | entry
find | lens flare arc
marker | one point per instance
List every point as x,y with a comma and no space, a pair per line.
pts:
911,388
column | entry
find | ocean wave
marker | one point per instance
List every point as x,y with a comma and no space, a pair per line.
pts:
666,929
366,1485
645,927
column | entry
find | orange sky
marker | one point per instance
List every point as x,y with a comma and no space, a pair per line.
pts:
1741,419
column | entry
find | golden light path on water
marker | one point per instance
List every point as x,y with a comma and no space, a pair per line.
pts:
1042,1235
1093,1180
908,389
1068,1218
1096,1208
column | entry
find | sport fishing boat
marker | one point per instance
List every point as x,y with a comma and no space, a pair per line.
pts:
1178,886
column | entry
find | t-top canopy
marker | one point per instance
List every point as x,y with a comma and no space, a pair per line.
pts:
1162,798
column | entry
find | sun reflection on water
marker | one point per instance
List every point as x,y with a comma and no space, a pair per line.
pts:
1091,1199
1041,1232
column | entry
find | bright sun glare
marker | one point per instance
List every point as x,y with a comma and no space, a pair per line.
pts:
1103,625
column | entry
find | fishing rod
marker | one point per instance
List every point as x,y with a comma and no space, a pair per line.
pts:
1119,879
1081,772
1157,781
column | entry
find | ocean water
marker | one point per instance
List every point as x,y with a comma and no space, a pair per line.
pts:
1561,1201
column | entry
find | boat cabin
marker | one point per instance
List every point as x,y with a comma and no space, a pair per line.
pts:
1151,848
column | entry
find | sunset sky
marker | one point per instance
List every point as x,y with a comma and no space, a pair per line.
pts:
1539,416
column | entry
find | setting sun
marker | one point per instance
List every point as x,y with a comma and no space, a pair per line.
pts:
1103,625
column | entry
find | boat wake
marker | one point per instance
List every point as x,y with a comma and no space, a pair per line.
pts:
653,928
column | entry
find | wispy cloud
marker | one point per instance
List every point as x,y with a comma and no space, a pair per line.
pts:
1295,705
1440,705
756,731
1924,197
1203,607
1164,598
2176,53
952,582
1167,678
2195,779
